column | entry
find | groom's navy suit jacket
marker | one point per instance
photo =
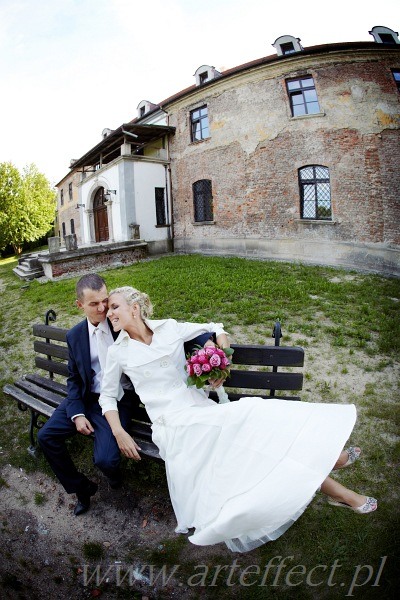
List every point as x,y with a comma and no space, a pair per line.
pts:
80,371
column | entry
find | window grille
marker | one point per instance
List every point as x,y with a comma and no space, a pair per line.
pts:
315,193
202,200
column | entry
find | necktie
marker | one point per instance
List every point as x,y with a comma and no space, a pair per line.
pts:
102,347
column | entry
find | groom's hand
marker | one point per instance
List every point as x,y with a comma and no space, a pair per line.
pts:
83,426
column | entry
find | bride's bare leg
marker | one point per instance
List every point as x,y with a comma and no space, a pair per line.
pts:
338,492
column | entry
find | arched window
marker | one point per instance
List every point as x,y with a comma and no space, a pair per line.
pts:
315,192
202,200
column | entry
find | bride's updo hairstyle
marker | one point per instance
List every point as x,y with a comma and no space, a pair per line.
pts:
133,296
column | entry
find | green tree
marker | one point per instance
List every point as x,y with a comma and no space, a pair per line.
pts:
27,206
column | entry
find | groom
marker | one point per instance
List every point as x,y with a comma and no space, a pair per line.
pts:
80,412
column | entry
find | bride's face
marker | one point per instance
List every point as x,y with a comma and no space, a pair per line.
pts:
119,312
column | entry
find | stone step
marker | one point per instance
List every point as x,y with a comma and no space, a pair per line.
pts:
27,274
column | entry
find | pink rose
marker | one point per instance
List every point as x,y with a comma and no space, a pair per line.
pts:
197,369
194,360
190,370
220,352
203,359
206,368
224,363
201,352
209,351
215,360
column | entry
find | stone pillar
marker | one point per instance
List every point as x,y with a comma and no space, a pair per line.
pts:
70,242
126,149
110,221
54,244
92,233
135,231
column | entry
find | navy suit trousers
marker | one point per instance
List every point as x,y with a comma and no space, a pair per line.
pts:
106,455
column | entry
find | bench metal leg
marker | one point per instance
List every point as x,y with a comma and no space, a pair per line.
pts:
34,424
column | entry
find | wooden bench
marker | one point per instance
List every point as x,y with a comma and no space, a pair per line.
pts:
255,372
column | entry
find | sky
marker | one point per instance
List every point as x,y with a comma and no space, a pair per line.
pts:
70,68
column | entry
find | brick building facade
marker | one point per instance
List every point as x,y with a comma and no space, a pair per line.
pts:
293,156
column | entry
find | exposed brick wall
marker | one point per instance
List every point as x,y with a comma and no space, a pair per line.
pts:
256,149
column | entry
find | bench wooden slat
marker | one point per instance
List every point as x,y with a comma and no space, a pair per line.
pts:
51,365
234,396
141,430
47,384
261,380
38,392
48,331
51,349
274,356
148,448
28,401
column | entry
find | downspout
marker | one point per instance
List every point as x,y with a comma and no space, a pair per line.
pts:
168,188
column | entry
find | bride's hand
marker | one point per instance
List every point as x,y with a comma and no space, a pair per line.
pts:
215,383
127,445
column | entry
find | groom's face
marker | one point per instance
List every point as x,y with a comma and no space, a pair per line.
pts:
94,304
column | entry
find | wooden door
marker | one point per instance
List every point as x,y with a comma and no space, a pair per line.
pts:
100,216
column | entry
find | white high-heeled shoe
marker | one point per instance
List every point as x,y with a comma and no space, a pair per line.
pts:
369,506
354,453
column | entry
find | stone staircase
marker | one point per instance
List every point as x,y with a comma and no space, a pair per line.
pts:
29,267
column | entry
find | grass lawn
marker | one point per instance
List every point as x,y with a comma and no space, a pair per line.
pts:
348,324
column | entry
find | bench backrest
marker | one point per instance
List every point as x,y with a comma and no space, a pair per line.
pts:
254,373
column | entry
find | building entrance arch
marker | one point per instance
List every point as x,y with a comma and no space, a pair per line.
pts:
100,216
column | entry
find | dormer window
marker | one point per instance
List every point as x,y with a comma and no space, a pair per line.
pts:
384,35
206,73
144,107
287,44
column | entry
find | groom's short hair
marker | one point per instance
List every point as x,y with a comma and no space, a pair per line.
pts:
91,281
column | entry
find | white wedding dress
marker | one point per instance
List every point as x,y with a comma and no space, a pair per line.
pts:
239,473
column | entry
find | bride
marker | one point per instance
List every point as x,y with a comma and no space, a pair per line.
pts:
242,472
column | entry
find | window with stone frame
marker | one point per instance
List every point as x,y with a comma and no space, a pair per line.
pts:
315,193
199,128
160,206
203,201
72,226
62,197
70,191
396,77
302,96
64,231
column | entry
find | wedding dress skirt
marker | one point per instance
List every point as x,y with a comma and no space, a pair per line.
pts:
242,473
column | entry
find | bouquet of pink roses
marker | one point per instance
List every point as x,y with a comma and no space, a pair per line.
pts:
207,363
